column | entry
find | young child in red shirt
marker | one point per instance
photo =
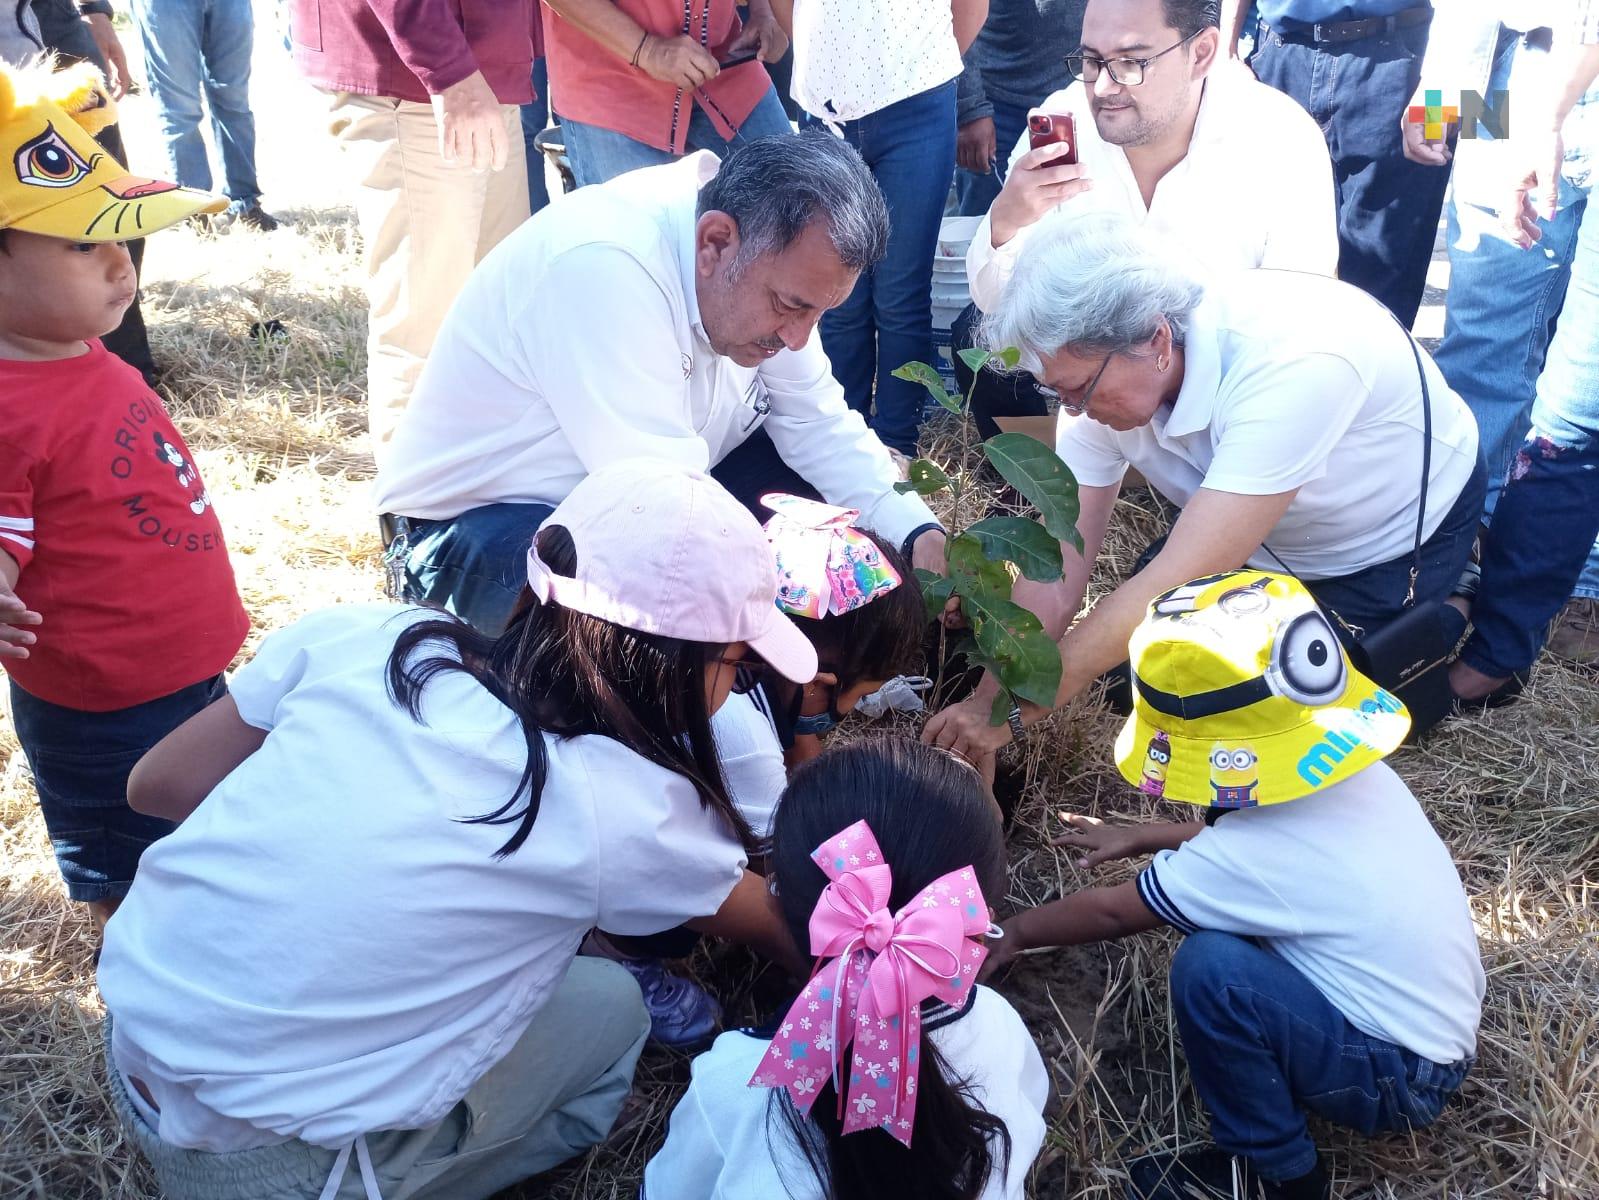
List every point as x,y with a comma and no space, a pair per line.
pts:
117,599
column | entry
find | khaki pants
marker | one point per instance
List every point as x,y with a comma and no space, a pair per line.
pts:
555,1094
425,224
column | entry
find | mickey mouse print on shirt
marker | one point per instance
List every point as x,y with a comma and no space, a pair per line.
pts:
188,477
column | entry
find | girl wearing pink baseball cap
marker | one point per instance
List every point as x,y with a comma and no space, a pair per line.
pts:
357,954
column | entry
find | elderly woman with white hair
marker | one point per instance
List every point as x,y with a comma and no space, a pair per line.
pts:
1281,412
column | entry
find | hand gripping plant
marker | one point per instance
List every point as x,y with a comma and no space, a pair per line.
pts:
985,557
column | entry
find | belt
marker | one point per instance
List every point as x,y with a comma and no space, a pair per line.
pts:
1342,32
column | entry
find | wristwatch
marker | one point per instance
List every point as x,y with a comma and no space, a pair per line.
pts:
1017,730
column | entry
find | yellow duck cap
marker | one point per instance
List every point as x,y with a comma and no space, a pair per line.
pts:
1243,696
56,180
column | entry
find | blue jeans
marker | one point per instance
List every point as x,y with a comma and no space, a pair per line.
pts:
195,45
1503,300
1264,1046
598,154
1542,540
887,320
81,762
974,193
1387,205
535,116
474,565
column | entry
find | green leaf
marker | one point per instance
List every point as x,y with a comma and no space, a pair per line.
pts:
973,572
927,478
1010,356
1021,541
1000,713
936,591
1038,473
974,358
920,372
1025,658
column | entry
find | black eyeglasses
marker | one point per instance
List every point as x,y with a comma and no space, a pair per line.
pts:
1076,408
1128,72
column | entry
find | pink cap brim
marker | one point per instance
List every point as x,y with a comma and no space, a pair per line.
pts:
785,649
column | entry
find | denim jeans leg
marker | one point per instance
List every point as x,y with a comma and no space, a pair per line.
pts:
1542,537
766,119
474,565
80,763
1264,1045
597,154
226,42
535,116
170,32
913,158
1503,300
1388,206
888,319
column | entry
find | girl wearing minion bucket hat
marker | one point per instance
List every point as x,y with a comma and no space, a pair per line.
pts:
1330,963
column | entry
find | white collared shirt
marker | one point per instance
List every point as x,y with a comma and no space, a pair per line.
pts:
856,57
1255,189
328,946
577,342
726,1142
1293,381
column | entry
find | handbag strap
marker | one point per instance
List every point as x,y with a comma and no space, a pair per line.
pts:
1426,461
1426,474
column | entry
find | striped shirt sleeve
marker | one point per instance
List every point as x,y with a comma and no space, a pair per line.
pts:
1159,903
16,503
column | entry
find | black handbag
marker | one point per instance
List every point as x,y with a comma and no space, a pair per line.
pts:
1410,655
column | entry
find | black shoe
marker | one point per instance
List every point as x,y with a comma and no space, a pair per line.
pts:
1213,1174
252,215
1506,693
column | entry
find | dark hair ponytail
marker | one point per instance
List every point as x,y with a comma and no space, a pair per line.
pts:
931,814
568,674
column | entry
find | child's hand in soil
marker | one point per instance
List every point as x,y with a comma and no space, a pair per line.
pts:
1099,842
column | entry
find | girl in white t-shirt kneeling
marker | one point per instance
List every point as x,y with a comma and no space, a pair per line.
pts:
893,1073
360,943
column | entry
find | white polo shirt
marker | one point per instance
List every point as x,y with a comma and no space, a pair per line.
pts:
726,1143
1255,189
853,58
326,947
577,342
1297,381
1353,887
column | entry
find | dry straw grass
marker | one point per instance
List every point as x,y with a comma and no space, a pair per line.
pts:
278,431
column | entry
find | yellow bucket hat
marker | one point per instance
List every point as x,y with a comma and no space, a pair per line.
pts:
1242,696
55,179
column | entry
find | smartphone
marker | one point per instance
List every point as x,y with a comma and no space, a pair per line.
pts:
738,59
1046,129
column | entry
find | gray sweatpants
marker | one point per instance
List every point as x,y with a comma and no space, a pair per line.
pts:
552,1097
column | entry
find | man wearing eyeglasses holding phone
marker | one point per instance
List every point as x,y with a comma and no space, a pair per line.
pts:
1167,134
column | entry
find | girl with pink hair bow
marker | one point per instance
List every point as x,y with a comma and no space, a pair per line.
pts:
893,1072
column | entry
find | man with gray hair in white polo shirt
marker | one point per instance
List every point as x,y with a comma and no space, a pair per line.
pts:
667,314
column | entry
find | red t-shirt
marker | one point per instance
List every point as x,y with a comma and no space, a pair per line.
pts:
589,83
120,549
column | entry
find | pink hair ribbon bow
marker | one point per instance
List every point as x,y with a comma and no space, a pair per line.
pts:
861,1011
824,564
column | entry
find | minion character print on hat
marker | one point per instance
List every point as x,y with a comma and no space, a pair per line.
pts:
1243,696
1156,759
